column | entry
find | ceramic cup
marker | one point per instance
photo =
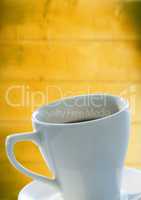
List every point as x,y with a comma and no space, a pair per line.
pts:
84,141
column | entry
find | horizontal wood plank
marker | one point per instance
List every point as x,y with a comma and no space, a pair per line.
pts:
64,61
73,19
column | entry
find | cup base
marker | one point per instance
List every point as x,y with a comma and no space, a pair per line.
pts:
131,189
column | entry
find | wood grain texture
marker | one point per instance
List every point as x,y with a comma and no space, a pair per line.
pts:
74,19
59,61
51,49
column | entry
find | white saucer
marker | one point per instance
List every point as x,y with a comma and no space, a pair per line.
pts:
41,191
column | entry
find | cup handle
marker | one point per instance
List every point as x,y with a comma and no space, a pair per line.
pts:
33,137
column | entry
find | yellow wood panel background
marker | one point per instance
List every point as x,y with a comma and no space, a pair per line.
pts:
55,48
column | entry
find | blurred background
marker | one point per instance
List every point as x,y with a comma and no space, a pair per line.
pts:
50,49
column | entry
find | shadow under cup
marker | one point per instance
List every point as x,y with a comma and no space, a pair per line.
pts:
81,109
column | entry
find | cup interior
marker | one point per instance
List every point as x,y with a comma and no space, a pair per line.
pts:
80,109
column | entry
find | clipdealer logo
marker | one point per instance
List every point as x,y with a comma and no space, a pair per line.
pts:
23,96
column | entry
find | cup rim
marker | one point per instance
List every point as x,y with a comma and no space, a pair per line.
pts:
35,113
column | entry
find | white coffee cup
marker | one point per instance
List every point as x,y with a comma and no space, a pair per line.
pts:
84,141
